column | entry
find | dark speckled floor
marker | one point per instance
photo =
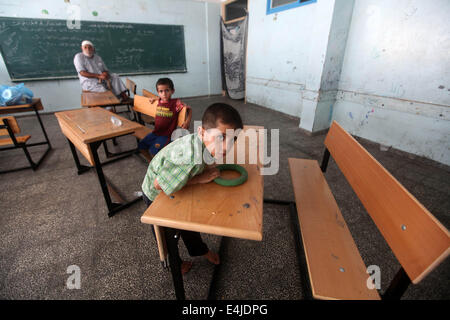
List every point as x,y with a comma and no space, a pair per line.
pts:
52,218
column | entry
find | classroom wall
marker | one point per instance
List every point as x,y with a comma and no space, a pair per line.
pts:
285,55
202,39
381,68
394,87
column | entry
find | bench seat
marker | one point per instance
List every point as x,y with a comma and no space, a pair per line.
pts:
336,269
142,132
8,141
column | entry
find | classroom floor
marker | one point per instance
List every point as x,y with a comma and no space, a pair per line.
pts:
52,218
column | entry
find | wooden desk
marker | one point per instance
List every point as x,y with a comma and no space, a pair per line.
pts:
99,99
210,208
34,106
85,130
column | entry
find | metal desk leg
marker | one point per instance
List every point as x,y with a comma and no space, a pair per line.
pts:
175,264
113,208
101,177
42,127
80,167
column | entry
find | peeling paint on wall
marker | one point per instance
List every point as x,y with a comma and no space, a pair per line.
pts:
330,117
409,12
441,112
365,120
397,90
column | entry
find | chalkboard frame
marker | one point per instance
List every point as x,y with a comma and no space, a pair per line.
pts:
182,69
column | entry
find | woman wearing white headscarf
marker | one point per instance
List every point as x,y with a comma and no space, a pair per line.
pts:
93,72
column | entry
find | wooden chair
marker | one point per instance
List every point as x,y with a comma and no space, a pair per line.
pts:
9,127
336,270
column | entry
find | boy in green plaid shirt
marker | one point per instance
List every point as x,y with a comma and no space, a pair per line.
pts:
184,162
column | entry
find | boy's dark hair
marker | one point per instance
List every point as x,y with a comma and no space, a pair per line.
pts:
165,81
223,113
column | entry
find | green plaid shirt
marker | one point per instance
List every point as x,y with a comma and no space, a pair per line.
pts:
174,165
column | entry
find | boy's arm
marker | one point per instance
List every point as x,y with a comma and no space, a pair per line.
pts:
172,177
156,184
206,176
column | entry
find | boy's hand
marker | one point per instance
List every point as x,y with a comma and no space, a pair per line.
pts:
209,175
185,125
152,100
206,176
156,185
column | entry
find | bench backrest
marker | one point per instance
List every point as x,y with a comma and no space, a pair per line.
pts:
131,86
418,240
143,105
148,94
12,123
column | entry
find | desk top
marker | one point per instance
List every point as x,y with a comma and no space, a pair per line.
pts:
98,99
36,103
211,208
94,124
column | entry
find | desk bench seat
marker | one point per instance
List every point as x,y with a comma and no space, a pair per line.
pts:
146,113
142,132
9,141
336,269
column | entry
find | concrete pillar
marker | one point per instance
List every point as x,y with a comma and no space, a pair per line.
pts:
326,57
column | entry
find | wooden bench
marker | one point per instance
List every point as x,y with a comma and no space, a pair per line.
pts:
336,270
142,106
91,99
146,118
149,94
131,87
35,106
9,127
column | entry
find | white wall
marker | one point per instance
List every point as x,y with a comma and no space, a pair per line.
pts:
381,68
395,83
202,39
286,53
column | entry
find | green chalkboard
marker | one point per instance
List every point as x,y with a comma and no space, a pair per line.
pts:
36,49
